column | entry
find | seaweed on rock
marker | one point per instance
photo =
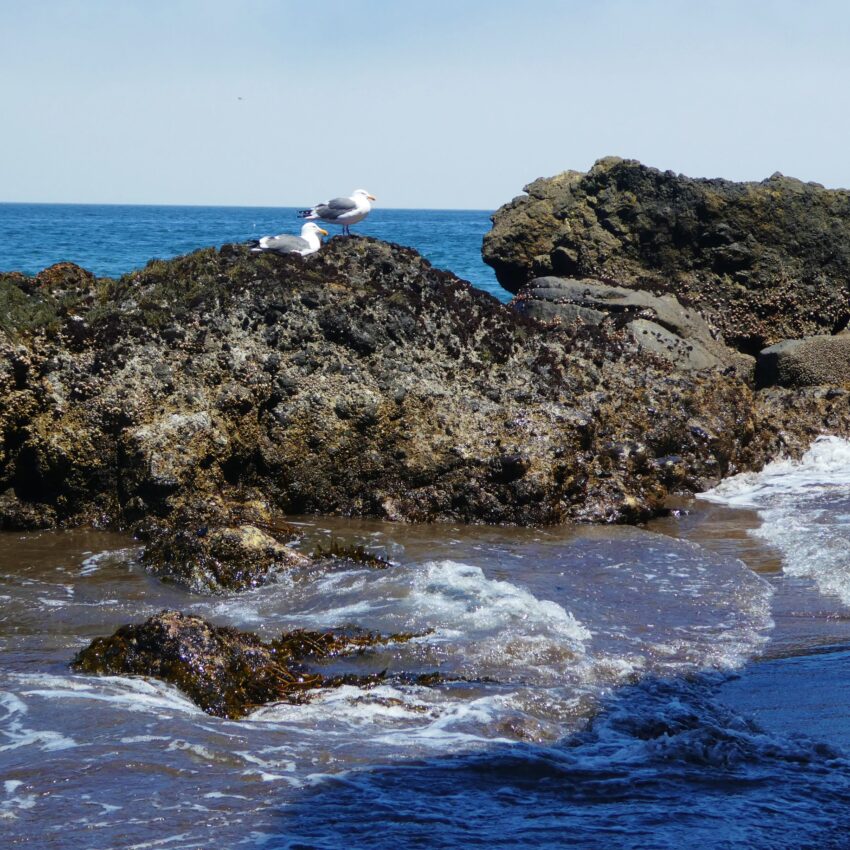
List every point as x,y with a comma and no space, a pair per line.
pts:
226,672
359,381
352,552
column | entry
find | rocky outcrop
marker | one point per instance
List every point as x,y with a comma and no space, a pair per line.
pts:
226,672
813,361
209,560
659,324
761,262
197,400
209,544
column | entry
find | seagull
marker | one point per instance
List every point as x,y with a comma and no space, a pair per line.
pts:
342,211
307,243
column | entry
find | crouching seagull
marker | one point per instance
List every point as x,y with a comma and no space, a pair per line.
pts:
307,243
342,211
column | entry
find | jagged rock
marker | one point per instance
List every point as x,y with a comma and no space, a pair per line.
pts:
212,546
659,324
761,262
223,558
356,381
18,514
805,362
226,672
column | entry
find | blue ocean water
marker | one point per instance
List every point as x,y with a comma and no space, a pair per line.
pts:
111,240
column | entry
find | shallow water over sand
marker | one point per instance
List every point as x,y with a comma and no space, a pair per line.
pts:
606,698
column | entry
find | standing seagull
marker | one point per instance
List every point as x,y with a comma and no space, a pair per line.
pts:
307,243
342,211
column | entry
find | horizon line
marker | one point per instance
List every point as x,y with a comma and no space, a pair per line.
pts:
224,206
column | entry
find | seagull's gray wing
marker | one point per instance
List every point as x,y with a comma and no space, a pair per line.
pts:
284,244
335,208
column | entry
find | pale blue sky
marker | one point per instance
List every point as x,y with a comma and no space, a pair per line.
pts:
444,103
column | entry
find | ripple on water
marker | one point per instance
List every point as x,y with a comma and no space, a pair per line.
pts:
663,765
532,631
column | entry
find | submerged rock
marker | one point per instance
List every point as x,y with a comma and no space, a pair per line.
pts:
762,261
223,558
226,672
210,545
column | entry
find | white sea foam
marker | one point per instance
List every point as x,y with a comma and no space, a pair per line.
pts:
143,739
459,595
487,627
804,507
398,718
94,562
220,795
16,735
132,694
824,467
160,842
708,612
52,603
15,803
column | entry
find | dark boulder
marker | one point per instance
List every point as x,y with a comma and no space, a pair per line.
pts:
356,381
761,262
221,558
211,545
226,672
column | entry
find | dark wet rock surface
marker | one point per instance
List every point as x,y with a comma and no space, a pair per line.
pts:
225,671
211,559
209,545
197,400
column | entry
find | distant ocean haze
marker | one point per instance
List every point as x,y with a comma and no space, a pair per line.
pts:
111,240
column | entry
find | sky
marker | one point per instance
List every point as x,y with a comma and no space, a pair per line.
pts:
428,104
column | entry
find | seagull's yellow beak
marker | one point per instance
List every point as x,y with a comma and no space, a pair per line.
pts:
371,197
323,231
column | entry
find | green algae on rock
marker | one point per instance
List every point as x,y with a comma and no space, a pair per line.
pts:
225,672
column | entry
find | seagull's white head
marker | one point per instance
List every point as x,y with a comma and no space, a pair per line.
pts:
311,227
362,193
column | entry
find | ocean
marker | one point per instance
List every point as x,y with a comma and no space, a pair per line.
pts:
111,240
616,688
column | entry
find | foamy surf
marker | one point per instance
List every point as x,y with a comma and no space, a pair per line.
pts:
823,468
130,693
95,562
804,507
530,632
459,595
15,733
395,720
